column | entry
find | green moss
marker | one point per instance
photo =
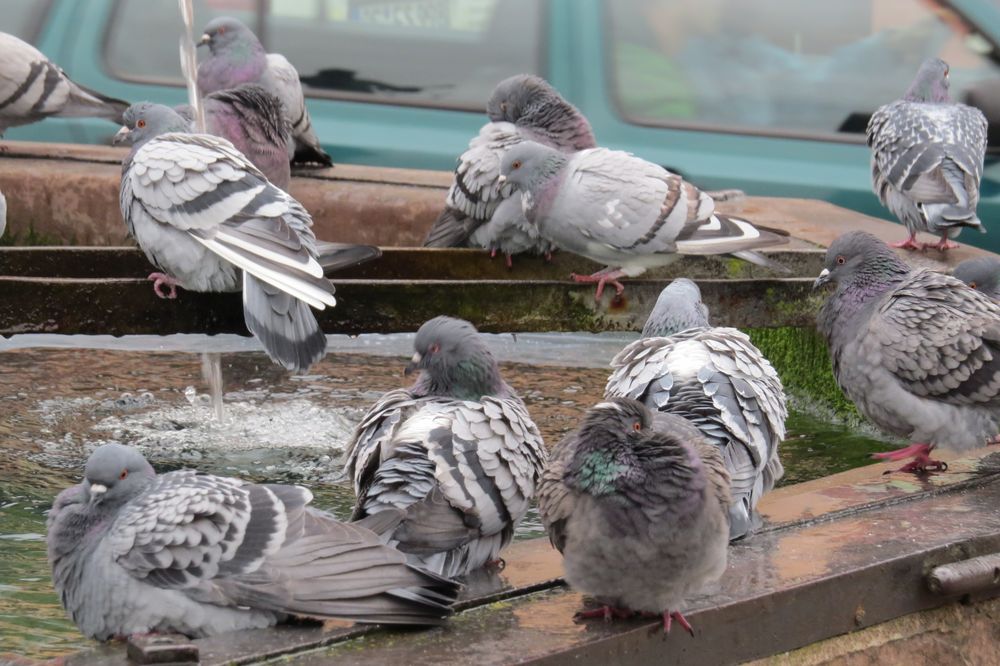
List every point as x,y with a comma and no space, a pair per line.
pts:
801,359
33,238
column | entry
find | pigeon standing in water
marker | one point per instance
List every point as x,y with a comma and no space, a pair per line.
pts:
918,352
34,88
927,158
481,211
638,505
623,211
982,273
236,56
716,379
133,552
457,452
252,120
211,221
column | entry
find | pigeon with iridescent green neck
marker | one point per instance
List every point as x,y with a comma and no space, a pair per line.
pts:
982,274
638,505
917,351
134,552
927,158
457,452
716,379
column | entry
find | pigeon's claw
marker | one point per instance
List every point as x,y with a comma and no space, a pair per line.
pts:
602,278
607,613
908,244
921,463
669,616
942,245
160,279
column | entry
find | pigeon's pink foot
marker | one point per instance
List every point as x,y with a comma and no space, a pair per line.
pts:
908,244
669,616
493,253
160,279
498,564
602,277
921,463
993,440
548,256
942,245
509,261
607,613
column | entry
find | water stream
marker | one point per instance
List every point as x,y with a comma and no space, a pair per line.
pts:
61,396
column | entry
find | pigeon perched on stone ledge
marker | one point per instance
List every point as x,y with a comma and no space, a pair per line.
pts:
457,452
133,552
34,88
236,56
927,158
620,210
638,505
917,351
211,221
719,381
982,274
522,108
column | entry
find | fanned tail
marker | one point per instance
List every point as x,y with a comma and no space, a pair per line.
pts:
285,326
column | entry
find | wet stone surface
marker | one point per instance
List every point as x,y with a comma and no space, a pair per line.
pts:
56,405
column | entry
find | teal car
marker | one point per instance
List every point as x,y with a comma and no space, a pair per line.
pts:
764,95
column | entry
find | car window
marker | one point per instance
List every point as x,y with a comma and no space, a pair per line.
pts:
438,52
811,67
23,18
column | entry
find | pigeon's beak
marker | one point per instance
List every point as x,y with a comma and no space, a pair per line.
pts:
205,39
97,491
501,179
121,135
413,365
823,278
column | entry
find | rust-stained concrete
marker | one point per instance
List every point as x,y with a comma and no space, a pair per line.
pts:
68,194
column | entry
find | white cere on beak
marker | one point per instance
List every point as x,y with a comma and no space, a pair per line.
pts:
416,357
205,39
98,489
121,134
501,179
824,273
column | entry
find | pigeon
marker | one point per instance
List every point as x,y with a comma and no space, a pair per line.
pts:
185,552
918,352
623,211
457,452
716,379
236,56
522,107
927,159
211,221
982,273
638,506
33,88
252,120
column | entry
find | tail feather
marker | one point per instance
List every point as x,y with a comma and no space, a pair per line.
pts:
309,151
452,229
723,234
86,103
337,256
285,326
759,259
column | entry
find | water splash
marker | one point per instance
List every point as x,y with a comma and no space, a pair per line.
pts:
211,370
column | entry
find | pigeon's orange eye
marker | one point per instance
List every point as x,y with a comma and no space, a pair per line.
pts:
434,348
972,284
637,426
503,106
516,164
123,474
841,260
221,30
140,124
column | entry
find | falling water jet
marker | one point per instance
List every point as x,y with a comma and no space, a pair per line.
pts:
211,370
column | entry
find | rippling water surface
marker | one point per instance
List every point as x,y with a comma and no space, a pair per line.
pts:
62,396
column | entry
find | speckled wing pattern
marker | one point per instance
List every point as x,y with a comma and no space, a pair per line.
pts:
717,379
914,146
939,339
556,501
281,79
189,528
202,185
464,471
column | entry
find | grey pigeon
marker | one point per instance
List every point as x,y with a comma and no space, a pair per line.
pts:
251,119
982,273
927,158
523,107
623,211
638,506
34,88
716,379
457,452
210,220
136,552
236,56
918,352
